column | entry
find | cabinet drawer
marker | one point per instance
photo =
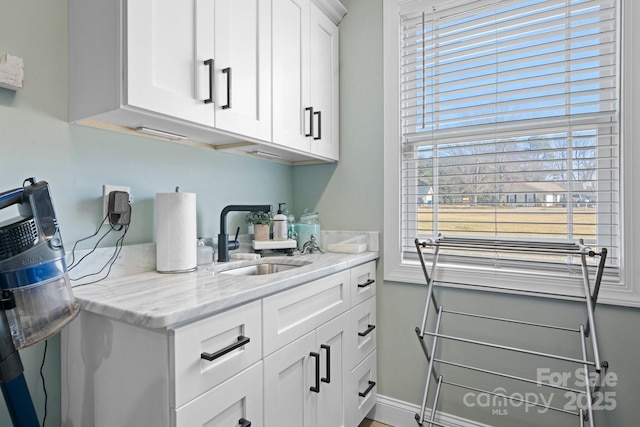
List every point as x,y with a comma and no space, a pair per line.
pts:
362,390
238,398
232,340
293,313
363,282
362,331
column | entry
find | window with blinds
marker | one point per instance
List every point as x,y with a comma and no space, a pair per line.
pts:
510,117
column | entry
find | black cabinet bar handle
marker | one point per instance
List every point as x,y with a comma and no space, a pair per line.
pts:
319,114
315,355
244,423
227,71
372,384
209,62
367,283
327,379
310,110
368,331
213,356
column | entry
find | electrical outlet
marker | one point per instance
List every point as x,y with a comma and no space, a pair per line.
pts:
106,189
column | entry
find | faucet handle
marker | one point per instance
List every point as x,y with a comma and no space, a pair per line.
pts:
234,244
311,245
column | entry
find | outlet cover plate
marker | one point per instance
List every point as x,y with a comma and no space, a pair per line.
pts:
106,189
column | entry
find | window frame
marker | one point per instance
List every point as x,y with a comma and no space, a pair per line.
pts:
624,290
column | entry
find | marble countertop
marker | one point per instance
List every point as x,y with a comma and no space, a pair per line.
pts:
154,300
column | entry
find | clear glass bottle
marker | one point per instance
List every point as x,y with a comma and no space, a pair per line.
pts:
308,224
205,254
291,225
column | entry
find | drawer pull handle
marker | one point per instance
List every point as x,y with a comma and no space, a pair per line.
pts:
368,331
213,356
327,379
209,63
310,110
319,114
372,384
367,283
227,71
244,423
315,355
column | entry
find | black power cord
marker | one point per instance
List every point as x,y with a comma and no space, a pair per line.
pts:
44,386
110,261
73,262
113,226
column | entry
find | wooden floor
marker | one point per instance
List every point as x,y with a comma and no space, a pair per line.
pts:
370,423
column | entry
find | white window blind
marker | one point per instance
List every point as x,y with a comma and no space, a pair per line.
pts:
510,114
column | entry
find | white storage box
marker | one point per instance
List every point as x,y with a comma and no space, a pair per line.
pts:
345,242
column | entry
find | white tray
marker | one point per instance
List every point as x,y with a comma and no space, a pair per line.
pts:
274,244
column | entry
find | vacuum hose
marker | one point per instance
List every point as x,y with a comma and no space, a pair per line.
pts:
14,387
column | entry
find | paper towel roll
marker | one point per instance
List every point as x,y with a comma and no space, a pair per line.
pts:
176,249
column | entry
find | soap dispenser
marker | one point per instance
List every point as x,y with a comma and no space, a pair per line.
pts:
280,228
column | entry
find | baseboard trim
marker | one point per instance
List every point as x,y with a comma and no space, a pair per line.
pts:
397,413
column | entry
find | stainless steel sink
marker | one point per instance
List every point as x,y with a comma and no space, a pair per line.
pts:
265,267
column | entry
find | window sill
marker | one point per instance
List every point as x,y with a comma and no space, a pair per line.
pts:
509,281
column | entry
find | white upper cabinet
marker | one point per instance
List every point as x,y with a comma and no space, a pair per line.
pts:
161,59
324,85
206,61
290,55
305,78
196,68
238,45
236,74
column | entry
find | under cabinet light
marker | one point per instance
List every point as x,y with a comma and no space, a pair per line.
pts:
161,133
265,154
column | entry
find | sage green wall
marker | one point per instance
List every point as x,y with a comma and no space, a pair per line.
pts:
36,140
349,196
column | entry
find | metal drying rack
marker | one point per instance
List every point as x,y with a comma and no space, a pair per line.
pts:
588,331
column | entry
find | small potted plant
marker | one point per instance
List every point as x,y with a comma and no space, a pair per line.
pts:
261,222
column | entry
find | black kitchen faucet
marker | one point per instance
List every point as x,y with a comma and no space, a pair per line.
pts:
224,245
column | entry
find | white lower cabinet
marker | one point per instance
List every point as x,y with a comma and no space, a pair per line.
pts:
304,381
364,337
303,357
362,390
207,352
236,402
320,351
288,378
332,339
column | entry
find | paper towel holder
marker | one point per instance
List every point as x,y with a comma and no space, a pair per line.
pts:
176,251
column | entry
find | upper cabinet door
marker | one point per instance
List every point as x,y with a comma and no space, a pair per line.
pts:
290,54
243,67
161,60
324,84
